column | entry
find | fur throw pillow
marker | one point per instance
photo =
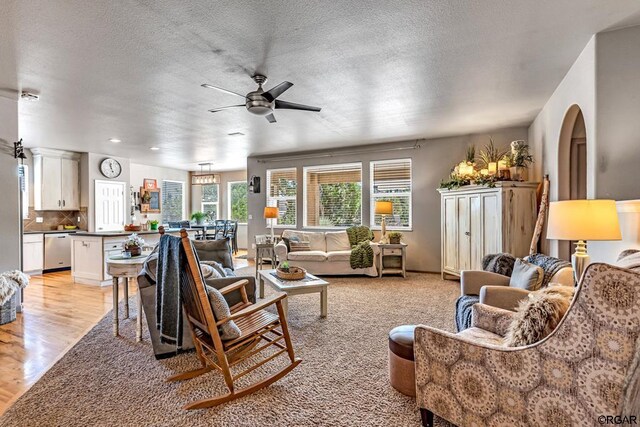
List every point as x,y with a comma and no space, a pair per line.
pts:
538,315
10,283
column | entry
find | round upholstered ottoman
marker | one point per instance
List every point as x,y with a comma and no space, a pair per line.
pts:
402,373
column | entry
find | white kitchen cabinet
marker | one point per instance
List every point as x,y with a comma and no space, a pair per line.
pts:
56,180
477,221
33,252
86,259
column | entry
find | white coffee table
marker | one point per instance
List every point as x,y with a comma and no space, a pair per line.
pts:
311,284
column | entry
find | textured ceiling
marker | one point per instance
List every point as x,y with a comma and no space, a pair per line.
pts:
380,70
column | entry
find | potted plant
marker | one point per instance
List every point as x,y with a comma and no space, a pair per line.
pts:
284,266
199,217
519,160
153,224
133,245
394,237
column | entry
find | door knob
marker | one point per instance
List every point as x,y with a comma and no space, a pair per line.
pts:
468,233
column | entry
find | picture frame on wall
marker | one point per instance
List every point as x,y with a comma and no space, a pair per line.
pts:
150,184
150,201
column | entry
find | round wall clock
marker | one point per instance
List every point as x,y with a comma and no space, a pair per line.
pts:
110,168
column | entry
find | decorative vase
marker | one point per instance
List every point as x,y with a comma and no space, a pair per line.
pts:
153,226
134,250
200,221
519,173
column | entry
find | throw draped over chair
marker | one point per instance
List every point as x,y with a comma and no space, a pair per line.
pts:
264,335
588,367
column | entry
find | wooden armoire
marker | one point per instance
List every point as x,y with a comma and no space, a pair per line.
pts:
478,220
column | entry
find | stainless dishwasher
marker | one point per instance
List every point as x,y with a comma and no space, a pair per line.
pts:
57,251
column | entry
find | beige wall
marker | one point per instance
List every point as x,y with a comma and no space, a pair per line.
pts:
139,172
430,165
604,83
9,208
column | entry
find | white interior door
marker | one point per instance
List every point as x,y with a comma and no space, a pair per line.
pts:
110,205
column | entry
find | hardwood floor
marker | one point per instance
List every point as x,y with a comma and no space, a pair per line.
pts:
57,313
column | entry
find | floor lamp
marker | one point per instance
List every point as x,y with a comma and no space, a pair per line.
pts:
384,208
580,221
271,213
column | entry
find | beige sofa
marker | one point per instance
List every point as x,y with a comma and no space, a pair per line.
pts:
329,254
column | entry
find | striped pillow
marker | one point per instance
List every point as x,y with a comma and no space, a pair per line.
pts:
299,246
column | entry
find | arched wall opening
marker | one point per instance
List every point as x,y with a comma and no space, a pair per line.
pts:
572,164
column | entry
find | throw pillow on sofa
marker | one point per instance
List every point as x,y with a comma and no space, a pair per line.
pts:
300,246
630,259
538,315
287,241
221,311
212,270
526,276
214,250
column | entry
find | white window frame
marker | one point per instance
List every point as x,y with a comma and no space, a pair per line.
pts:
184,198
372,195
276,198
202,204
304,193
229,199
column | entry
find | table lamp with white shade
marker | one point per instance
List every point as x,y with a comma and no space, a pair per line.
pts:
384,208
583,220
271,213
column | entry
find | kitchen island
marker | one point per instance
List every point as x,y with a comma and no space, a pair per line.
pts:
91,250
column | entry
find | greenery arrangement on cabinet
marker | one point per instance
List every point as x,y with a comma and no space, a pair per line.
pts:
153,224
491,165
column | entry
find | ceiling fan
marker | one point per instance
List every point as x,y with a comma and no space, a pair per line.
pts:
263,103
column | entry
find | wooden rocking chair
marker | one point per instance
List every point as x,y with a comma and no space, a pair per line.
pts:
260,330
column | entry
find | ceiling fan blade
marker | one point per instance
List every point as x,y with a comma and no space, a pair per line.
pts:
208,86
215,110
271,118
293,106
276,91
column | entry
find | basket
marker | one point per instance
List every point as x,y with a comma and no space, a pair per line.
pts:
295,273
132,228
8,310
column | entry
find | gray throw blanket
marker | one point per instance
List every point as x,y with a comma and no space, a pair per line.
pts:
549,264
464,311
168,300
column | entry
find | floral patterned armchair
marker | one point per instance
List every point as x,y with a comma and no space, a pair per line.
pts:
587,368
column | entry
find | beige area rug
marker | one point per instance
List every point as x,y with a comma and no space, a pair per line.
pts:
342,381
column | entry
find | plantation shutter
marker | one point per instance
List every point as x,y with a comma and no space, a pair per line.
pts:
282,187
391,181
333,195
172,201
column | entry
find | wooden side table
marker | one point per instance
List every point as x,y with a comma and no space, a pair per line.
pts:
127,269
396,259
265,251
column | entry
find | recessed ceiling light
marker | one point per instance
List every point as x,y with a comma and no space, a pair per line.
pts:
115,140
154,148
235,134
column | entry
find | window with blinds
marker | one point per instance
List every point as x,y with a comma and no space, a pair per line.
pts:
173,201
210,202
333,195
282,187
237,195
391,181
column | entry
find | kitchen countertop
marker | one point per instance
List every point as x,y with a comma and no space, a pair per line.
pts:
127,233
54,231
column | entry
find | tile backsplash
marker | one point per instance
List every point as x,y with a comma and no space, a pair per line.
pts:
52,219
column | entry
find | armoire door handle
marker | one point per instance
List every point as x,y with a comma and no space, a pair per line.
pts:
468,233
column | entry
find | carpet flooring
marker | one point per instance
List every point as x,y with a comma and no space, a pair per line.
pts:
342,381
